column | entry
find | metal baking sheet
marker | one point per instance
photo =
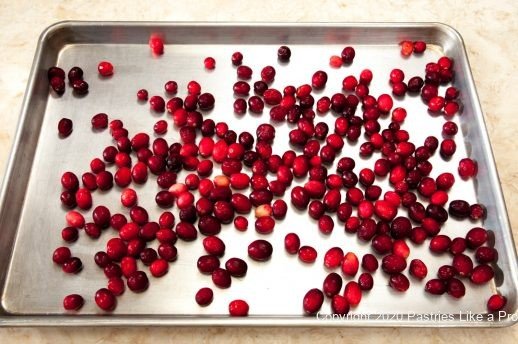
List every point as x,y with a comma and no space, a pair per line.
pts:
31,217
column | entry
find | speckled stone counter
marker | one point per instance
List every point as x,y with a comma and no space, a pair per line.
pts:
491,38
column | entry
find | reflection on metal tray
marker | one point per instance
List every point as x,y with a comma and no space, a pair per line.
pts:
31,218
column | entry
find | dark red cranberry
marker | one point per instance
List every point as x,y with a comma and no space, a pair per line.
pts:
348,55
283,53
65,127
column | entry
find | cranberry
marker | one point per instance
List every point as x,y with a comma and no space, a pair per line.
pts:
237,58
142,95
204,296
105,299
80,87
393,264
75,73
206,101
335,61
467,168
407,48
283,53
348,55
399,282
353,293
307,254
65,127
496,303
73,302
209,63
260,250
350,264
459,209
221,278
476,237
236,267
418,269
482,274
238,308
105,68
156,43
435,286
313,301
448,148
72,265
138,282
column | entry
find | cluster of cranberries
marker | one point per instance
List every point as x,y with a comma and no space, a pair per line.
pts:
56,78
366,211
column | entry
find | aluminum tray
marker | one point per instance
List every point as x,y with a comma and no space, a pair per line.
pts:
31,218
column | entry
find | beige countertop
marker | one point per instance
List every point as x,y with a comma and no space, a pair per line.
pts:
491,38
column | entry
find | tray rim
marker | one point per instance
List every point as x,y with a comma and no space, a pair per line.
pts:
14,320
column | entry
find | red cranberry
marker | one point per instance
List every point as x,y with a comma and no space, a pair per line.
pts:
467,168
105,299
72,265
65,127
236,267
75,73
350,264
332,284
204,296
238,308
482,274
237,58
399,282
476,237
448,148
138,282
221,278
209,63
496,303
105,68
260,250
142,95
435,286
348,55
418,269
393,264
313,301
307,254
157,104
207,264
407,48
73,302
353,293
206,101
156,43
